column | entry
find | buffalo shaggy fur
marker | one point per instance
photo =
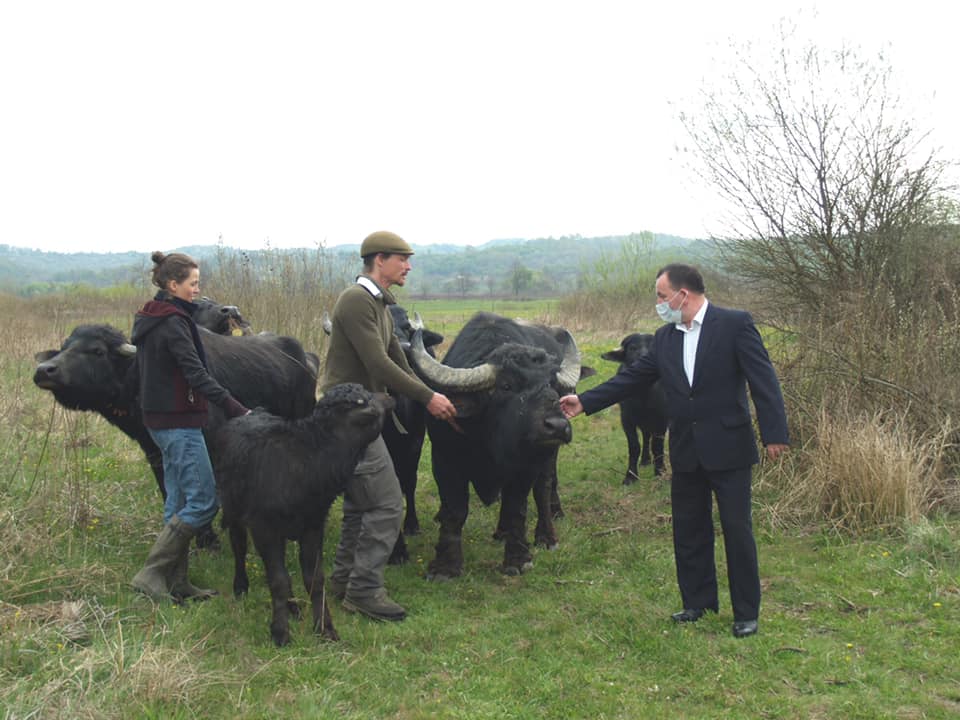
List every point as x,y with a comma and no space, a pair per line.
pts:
278,478
508,435
646,413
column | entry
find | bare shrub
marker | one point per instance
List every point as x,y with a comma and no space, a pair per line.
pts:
281,291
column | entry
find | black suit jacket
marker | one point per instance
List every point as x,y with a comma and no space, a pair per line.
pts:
709,422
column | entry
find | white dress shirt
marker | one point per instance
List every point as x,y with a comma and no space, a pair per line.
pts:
691,338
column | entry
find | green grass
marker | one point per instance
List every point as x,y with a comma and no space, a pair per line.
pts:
850,628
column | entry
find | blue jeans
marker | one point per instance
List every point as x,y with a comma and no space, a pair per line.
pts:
187,475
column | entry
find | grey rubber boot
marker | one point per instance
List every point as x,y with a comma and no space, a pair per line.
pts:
180,586
378,606
153,578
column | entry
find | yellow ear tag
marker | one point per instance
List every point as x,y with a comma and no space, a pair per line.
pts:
236,332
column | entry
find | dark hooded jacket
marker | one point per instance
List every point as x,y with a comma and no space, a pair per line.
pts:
175,386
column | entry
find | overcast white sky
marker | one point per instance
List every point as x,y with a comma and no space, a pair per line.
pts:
141,126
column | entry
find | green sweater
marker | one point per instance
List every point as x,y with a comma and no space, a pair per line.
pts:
364,350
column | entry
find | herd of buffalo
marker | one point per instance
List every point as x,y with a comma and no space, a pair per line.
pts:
280,469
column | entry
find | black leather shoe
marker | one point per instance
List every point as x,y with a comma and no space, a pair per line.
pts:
744,628
688,615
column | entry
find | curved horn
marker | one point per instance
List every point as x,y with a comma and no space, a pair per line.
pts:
327,324
127,350
569,373
417,322
437,374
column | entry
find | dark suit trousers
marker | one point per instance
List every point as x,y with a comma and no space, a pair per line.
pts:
691,494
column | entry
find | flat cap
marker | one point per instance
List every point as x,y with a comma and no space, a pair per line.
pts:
384,242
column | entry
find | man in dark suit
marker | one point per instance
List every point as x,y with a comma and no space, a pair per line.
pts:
704,357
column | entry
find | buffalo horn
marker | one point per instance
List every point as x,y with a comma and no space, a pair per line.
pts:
569,373
326,323
417,322
127,350
438,375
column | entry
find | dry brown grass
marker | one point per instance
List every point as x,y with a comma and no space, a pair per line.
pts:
282,292
864,471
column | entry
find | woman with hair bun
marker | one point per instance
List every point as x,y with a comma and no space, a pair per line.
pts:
175,388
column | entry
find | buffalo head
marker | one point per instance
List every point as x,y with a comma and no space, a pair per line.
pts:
220,319
515,391
631,347
90,367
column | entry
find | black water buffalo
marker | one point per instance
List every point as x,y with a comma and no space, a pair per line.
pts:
506,378
278,478
646,412
405,441
405,432
95,369
220,319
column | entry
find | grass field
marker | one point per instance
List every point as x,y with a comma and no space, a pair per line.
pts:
865,627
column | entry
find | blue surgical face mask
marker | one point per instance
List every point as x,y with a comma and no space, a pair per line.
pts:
668,314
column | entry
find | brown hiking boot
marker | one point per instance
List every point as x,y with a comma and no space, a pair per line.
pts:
377,606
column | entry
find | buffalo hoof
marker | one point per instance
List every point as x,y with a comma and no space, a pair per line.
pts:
630,478
558,513
328,633
399,556
281,636
439,577
513,570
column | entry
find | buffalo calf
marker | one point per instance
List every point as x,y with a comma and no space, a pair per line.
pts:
278,478
646,413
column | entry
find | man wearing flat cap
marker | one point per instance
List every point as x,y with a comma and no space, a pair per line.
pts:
364,350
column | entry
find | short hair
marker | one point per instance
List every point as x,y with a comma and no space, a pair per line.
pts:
683,277
175,266
368,259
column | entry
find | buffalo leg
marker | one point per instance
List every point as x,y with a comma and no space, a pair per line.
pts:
408,481
411,523
544,488
271,548
311,565
513,511
657,443
399,555
633,449
448,562
238,543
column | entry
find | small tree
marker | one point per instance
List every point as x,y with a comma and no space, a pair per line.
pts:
520,278
827,183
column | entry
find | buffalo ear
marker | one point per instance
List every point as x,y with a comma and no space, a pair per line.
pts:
469,405
430,338
618,355
586,371
45,355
